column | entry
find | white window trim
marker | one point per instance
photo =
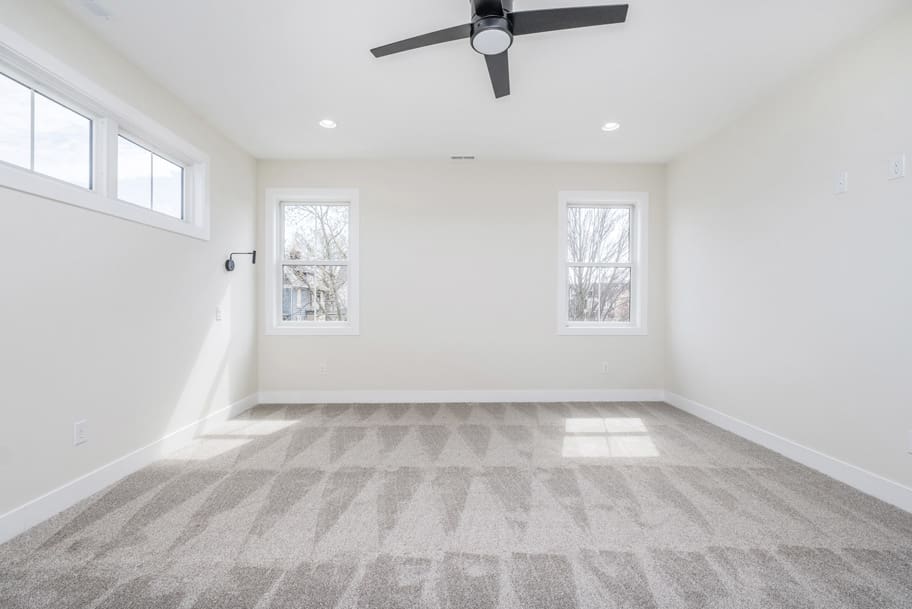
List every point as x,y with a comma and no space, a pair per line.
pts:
273,324
639,251
110,116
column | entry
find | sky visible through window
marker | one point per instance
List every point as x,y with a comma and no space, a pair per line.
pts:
15,123
62,138
148,180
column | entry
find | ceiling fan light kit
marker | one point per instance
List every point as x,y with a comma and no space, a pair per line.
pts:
491,35
494,25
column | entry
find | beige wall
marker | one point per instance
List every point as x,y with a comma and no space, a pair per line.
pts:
789,307
459,281
112,321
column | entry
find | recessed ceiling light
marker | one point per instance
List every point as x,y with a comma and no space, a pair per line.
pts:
612,126
328,123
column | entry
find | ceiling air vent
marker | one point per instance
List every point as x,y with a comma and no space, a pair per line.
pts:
96,9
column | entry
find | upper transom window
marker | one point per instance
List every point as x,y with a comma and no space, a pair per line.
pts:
148,179
64,138
43,135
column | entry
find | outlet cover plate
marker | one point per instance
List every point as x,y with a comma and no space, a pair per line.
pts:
841,185
897,168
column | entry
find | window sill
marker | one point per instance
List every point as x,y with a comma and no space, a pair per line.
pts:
565,330
28,182
313,330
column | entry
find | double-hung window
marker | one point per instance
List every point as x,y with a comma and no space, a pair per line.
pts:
64,138
312,240
602,276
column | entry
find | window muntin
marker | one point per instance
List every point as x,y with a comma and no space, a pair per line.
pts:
148,179
602,289
43,135
315,243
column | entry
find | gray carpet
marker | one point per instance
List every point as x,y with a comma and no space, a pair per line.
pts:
550,506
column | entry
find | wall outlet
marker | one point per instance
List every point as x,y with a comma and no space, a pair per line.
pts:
897,167
80,432
218,314
323,369
910,442
842,183
606,368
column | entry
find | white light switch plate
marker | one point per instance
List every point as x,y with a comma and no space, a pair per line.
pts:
80,432
842,183
897,168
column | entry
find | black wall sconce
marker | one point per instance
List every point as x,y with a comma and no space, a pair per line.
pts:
229,264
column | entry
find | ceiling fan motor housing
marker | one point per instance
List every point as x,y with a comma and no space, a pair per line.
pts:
491,8
491,35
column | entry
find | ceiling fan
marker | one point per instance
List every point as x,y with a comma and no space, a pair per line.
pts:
494,24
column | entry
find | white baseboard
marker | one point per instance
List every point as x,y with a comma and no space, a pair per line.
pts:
339,396
22,518
861,479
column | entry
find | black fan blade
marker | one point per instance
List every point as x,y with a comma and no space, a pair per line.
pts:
425,40
499,70
549,20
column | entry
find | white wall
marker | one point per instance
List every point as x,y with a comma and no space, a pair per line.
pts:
112,321
459,281
789,307
759,252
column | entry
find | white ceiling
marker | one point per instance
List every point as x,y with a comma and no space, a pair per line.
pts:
266,72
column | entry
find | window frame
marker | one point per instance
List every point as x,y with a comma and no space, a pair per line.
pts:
35,87
638,202
276,199
40,71
186,182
